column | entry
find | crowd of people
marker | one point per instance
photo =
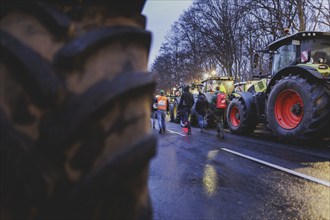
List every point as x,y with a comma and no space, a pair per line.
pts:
216,106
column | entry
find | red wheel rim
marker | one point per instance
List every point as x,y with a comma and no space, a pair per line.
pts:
234,116
289,109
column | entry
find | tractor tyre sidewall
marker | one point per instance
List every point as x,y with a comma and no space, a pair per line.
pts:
246,124
292,84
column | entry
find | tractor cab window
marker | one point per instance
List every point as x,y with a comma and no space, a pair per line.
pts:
240,87
315,51
210,86
284,56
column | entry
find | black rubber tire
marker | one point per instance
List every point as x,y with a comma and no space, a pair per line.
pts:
75,138
246,123
316,113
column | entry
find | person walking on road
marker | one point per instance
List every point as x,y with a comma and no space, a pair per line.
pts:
202,105
185,105
218,105
162,109
153,112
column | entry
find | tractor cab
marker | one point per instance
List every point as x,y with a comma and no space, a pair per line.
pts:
309,50
225,83
195,89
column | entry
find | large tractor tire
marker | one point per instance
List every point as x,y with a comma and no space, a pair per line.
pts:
75,135
298,108
238,119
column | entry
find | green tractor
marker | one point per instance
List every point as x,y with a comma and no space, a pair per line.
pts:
208,88
295,101
174,103
174,99
225,83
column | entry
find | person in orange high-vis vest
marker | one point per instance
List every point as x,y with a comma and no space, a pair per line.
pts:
162,109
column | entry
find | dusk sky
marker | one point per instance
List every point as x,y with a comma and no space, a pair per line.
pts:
161,14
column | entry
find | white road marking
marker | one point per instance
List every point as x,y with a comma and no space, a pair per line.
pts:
174,132
323,182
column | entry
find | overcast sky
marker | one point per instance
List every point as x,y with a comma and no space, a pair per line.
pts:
161,14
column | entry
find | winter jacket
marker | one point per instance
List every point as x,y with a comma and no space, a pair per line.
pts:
187,100
201,105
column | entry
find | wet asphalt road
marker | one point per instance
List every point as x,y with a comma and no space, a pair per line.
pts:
240,177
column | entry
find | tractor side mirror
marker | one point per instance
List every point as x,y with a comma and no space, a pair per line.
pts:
255,60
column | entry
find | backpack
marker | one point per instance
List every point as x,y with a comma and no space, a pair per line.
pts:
187,100
221,100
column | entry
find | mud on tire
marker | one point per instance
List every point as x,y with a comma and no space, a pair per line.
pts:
75,137
298,108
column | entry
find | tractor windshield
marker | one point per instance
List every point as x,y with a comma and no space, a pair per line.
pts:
210,85
315,51
284,56
226,86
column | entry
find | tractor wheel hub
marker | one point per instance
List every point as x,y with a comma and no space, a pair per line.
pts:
297,109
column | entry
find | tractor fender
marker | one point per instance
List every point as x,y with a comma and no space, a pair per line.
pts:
249,102
296,70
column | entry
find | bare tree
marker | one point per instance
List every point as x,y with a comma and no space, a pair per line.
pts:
222,34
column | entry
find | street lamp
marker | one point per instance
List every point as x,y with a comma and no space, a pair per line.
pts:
213,72
206,75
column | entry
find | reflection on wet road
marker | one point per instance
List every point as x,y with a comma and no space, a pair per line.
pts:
210,175
210,179
197,177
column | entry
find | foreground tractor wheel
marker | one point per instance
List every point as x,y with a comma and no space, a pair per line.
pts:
298,108
75,135
238,119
